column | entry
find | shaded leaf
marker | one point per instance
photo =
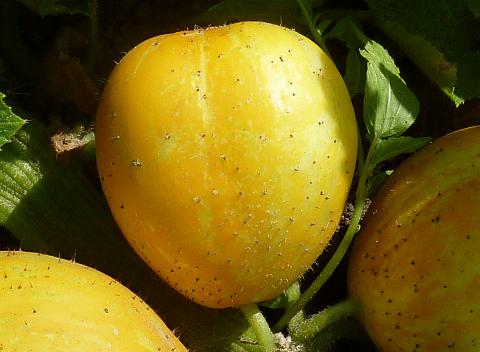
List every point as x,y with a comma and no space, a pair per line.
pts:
348,31
474,6
449,26
355,72
428,58
60,7
234,10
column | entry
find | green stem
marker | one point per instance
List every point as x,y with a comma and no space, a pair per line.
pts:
317,284
258,323
316,323
311,25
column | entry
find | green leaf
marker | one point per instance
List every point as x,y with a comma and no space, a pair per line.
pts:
60,7
234,10
9,122
355,72
390,108
349,32
449,26
389,148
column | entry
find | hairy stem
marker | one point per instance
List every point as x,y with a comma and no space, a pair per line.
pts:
317,322
258,323
311,26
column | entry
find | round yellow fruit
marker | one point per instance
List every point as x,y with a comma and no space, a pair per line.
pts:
226,155
415,266
55,305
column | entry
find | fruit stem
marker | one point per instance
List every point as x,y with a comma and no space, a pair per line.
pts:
317,322
311,25
259,324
